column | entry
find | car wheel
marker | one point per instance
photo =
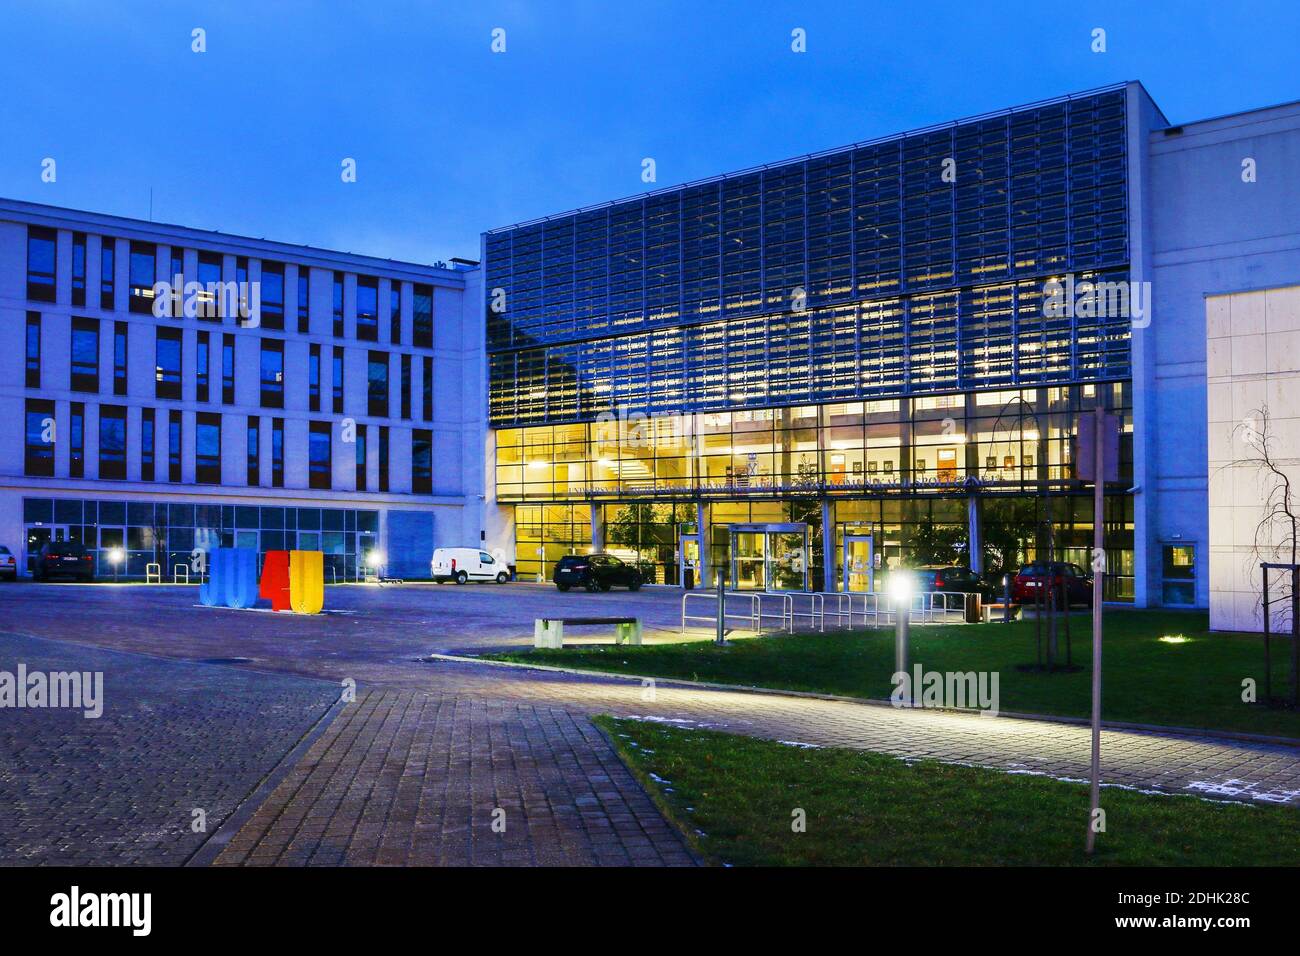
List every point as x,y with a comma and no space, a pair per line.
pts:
591,585
502,578
563,587
461,577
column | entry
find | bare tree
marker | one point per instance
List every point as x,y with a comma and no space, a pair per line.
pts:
1277,534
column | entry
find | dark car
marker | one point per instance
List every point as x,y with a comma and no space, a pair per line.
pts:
1032,578
64,559
8,564
595,572
943,577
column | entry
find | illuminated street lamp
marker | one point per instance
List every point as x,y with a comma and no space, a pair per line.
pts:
901,588
115,556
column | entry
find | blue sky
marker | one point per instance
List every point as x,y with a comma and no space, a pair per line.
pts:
451,139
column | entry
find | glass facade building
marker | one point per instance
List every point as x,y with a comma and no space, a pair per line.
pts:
866,339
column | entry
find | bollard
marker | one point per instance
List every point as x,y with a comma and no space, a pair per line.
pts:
1006,599
722,605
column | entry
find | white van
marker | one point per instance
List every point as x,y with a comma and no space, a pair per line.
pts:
467,564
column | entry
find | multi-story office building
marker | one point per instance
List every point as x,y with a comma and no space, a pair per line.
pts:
809,371
167,390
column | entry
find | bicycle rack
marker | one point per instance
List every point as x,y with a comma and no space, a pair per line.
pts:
179,570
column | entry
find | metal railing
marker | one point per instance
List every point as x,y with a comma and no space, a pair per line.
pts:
153,573
177,571
793,610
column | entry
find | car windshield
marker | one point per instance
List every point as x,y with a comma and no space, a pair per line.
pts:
3,549
63,547
572,561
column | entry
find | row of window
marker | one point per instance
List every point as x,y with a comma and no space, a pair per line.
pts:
162,441
1031,193
266,301
994,336
84,368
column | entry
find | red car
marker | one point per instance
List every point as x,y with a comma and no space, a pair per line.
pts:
1033,577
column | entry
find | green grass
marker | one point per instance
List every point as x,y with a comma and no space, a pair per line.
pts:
1193,684
734,797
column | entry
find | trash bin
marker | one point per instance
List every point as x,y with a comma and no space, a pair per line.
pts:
688,579
973,613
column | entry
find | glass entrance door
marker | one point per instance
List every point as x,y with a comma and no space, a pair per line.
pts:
688,561
749,561
769,557
38,536
859,563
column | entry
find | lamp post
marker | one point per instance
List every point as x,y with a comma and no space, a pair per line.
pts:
901,588
115,556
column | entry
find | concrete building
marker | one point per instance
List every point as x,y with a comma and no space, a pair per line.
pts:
287,397
808,372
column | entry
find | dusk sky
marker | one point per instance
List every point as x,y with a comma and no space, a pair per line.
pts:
451,139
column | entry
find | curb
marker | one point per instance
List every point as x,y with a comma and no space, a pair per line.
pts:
1158,729
211,848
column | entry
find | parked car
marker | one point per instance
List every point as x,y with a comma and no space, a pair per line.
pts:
64,559
943,577
466,564
8,564
595,572
1028,581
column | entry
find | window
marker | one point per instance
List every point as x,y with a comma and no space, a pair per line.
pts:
318,455
79,269
85,355
201,361
277,452
33,350
313,378
41,245
207,303
395,313
106,273
146,444
254,450
422,317
406,386
174,445
304,299
207,448
426,388
422,461
368,308
167,363
1178,567
272,373
119,358
112,442
272,295
377,383
338,305
361,457
227,369
40,438
176,276
336,380
243,312
383,458
77,441
142,273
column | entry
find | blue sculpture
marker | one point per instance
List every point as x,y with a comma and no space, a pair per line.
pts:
232,578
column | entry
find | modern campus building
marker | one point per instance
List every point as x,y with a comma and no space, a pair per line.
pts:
801,374
805,372
288,397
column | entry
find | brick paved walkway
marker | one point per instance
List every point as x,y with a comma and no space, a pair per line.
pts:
122,788
403,778
413,771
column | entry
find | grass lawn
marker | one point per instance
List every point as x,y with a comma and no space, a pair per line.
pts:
1197,683
737,796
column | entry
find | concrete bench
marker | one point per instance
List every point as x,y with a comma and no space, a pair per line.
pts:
548,632
993,613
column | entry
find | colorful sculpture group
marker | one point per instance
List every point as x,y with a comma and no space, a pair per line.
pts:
291,580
